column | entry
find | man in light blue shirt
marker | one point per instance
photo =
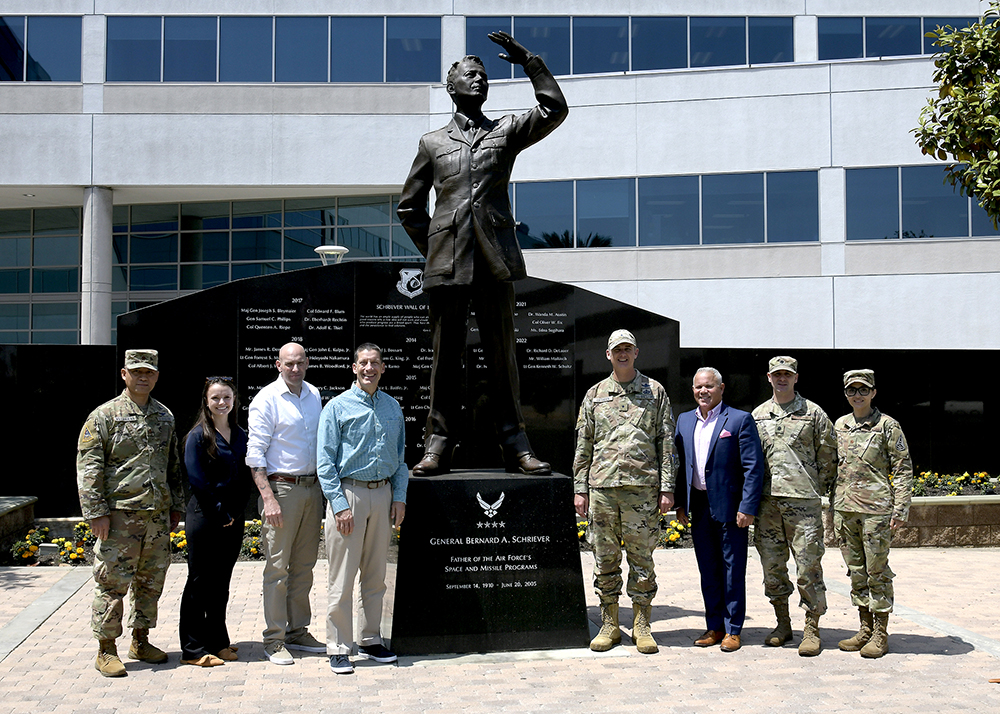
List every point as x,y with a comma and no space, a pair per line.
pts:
363,475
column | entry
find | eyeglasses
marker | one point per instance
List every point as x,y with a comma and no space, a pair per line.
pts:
863,391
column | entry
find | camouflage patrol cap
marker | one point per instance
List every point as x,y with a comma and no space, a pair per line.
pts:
620,337
789,364
137,359
862,376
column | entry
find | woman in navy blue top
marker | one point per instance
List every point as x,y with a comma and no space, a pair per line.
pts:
214,457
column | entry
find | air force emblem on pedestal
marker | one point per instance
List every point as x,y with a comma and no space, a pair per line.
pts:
490,509
411,282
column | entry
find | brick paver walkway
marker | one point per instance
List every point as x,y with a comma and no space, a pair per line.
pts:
944,647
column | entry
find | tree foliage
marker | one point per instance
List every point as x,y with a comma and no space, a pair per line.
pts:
962,124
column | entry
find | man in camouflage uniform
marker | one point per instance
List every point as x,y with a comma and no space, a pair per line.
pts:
872,499
800,457
129,478
624,471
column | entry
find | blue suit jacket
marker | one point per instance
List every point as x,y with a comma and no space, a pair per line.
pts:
734,472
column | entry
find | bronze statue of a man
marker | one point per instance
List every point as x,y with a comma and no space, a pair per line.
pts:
471,248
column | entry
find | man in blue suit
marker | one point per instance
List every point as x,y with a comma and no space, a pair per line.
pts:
722,467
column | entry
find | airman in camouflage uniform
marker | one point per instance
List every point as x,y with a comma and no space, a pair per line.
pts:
872,499
623,469
129,479
800,456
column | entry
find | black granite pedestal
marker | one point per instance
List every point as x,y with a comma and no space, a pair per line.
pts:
488,562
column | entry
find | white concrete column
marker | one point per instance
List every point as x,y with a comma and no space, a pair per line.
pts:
806,32
92,70
98,254
832,220
452,42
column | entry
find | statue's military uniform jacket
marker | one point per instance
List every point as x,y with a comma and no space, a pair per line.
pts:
128,459
875,474
472,209
625,436
800,449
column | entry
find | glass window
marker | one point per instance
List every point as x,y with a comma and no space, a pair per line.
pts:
872,203
668,210
245,49
933,23
159,248
54,316
717,41
196,247
57,221
659,43
413,49
792,206
14,317
600,44
356,49
291,265
189,49
156,277
547,37
119,244
732,208
16,222
14,338
57,250
15,252
119,278
605,213
52,280
363,210
300,243
11,48
54,48
257,214
364,241
254,270
256,245
311,212
477,43
159,217
15,281
199,277
841,38
301,48
119,219
982,224
402,247
770,39
892,36
133,53
931,207
204,216
545,214
54,338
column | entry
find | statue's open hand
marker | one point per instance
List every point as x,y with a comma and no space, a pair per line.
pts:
515,52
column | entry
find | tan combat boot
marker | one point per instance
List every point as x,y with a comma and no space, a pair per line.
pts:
878,645
610,634
641,635
864,633
783,632
143,651
810,645
107,662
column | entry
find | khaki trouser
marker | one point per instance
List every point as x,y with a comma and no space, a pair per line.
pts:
365,550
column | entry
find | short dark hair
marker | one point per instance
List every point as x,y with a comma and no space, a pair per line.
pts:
454,67
367,347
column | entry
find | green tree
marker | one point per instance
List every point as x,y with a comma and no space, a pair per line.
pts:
962,123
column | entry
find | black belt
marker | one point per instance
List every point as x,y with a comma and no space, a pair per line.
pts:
367,484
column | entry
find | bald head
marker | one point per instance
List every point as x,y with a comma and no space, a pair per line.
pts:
292,363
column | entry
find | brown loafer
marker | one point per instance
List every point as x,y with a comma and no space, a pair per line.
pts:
228,654
204,661
711,637
730,643
431,465
527,463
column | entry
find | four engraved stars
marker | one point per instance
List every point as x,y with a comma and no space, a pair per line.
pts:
491,524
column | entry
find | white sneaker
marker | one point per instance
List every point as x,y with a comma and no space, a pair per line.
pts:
306,643
277,653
